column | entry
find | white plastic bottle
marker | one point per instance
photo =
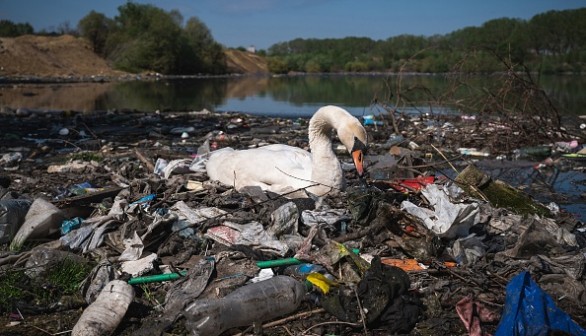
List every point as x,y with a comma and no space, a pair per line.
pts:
104,315
257,302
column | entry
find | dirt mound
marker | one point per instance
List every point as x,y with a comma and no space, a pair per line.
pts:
69,56
51,56
245,62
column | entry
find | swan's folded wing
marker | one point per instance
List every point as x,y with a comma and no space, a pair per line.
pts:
265,166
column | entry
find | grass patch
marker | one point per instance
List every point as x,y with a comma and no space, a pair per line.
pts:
86,156
11,289
62,278
67,275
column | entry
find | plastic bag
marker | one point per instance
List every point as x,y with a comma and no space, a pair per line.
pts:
531,311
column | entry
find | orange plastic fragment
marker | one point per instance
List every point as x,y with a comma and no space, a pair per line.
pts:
412,265
407,265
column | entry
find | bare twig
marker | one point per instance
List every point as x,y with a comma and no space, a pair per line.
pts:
288,319
362,317
330,322
446,159
52,334
150,166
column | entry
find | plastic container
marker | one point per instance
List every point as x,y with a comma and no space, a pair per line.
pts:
302,270
12,214
42,219
534,152
257,302
104,315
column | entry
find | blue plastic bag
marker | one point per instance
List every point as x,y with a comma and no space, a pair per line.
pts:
529,311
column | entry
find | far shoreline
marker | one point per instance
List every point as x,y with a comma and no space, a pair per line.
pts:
39,79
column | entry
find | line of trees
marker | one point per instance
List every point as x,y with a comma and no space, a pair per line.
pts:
550,42
11,29
144,37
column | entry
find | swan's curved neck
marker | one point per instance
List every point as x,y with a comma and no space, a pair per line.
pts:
325,168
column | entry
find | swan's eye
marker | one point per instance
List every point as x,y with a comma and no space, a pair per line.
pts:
358,145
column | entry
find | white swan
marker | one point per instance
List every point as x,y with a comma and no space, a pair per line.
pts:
282,168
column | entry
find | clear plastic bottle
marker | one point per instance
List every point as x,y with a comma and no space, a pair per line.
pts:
104,315
257,302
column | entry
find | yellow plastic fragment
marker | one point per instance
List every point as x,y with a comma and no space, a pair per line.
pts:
320,281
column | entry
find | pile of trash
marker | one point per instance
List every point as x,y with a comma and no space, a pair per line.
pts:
109,218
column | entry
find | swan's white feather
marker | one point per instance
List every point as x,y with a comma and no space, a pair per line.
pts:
282,168
276,165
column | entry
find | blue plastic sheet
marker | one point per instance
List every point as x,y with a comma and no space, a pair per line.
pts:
145,199
529,311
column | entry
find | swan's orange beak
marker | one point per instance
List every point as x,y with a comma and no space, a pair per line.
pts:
358,157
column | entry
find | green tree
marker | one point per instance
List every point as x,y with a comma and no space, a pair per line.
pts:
504,37
95,27
11,29
277,65
207,52
145,38
356,66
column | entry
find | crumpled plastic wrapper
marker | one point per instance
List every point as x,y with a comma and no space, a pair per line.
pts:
448,220
252,235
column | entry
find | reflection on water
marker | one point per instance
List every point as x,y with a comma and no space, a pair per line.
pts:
77,97
275,96
560,183
557,184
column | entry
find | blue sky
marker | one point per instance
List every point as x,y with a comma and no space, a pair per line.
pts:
263,23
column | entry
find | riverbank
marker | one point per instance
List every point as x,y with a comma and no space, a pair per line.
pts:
69,59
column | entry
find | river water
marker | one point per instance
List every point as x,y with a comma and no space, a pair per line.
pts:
285,96
300,96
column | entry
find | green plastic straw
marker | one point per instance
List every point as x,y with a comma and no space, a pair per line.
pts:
156,278
175,276
278,262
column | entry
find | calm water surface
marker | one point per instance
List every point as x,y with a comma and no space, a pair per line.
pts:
288,96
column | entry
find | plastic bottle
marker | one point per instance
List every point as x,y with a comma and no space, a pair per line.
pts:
103,315
42,219
12,214
257,302
302,270
532,152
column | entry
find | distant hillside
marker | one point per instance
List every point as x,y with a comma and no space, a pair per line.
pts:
50,56
245,62
66,55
